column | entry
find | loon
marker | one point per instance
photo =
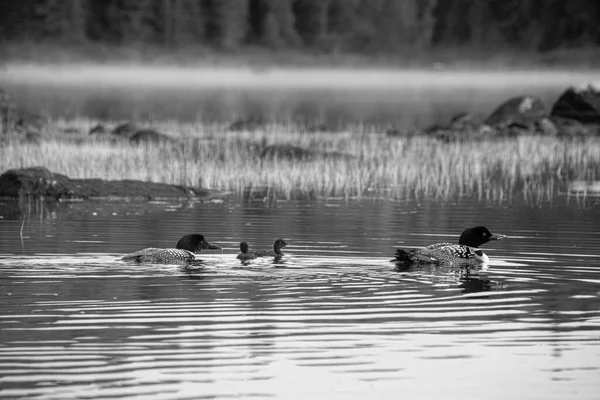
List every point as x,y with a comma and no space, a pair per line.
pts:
245,254
184,251
466,252
276,252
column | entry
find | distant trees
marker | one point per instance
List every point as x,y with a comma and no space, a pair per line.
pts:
323,25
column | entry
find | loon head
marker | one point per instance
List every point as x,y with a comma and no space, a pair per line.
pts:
477,236
278,245
195,243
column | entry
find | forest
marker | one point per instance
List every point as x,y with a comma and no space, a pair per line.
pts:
326,26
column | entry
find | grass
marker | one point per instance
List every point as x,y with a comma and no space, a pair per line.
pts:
366,163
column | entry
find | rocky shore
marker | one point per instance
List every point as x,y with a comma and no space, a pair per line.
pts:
39,182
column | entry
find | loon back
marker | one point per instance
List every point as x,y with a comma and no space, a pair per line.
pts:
184,252
164,256
436,254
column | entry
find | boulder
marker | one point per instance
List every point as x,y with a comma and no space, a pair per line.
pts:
252,123
569,127
125,129
39,182
522,110
462,126
149,136
297,153
579,103
98,129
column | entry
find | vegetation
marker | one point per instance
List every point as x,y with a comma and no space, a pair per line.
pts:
337,164
317,26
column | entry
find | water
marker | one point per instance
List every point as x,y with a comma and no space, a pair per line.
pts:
331,320
333,98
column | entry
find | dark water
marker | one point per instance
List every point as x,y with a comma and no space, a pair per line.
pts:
332,319
334,98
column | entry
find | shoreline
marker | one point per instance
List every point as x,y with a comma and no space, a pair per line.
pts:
301,165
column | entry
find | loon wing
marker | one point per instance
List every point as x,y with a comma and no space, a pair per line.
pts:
435,254
138,255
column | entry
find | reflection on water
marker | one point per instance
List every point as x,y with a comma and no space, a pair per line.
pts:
333,98
332,319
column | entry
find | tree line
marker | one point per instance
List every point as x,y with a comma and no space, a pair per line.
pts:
322,25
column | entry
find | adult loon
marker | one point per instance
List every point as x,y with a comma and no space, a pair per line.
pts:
245,253
466,252
184,251
276,252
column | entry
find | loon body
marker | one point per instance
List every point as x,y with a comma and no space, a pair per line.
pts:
466,252
184,251
276,252
245,254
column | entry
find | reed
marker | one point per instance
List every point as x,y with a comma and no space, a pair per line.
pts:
349,164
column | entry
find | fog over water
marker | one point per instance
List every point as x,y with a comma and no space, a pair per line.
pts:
338,78
335,97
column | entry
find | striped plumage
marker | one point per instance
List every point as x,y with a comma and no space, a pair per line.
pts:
466,252
184,251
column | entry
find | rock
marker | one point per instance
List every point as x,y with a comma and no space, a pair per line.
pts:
252,123
98,129
546,127
290,152
125,129
35,181
462,127
39,182
525,110
70,130
579,103
573,128
286,151
149,136
33,137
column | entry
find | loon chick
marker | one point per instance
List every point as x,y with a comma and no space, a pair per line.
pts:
182,253
245,254
465,252
276,252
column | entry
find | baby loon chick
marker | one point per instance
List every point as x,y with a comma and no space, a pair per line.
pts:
245,254
277,246
465,252
184,251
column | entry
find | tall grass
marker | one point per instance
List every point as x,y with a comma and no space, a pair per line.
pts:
365,163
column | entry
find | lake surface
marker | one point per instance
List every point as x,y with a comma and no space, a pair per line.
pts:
336,98
331,320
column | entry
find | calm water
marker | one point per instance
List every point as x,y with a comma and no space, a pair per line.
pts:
336,98
331,320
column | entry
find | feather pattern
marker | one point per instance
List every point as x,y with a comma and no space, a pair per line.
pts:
466,252
184,251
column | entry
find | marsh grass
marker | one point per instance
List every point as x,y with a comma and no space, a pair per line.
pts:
533,168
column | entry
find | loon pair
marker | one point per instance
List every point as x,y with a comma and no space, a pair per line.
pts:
466,252
189,245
